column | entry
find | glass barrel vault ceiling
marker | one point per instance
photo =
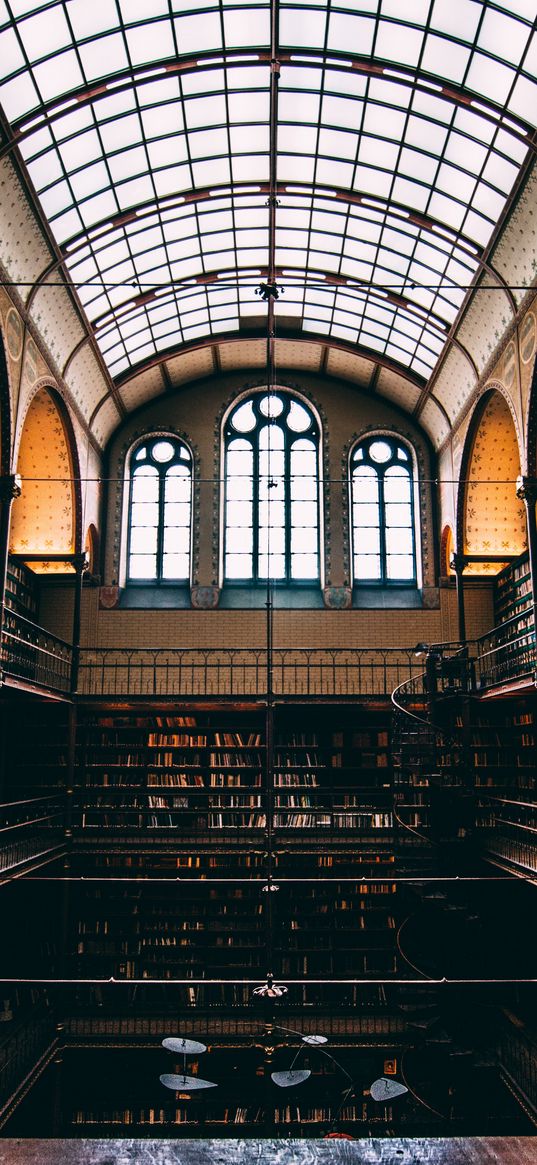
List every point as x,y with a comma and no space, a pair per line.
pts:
400,129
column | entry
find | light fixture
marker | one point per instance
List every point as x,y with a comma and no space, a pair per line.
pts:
270,989
383,1089
293,1076
183,1083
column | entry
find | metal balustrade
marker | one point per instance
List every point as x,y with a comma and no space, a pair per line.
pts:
30,830
508,652
200,671
33,655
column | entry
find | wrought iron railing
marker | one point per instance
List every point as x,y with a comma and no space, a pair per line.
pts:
199,671
507,652
31,654
30,829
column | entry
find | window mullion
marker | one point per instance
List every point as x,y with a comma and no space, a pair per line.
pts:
160,529
287,504
255,505
382,528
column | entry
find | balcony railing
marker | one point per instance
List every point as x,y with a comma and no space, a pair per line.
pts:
195,671
508,652
31,654
31,829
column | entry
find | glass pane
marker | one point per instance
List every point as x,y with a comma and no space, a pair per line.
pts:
271,512
175,566
238,445
272,541
396,485
275,570
303,458
271,464
176,540
238,566
400,566
270,406
143,540
304,566
162,451
240,463
271,437
303,488
144,514
177,485
141,454
143,566
380,451
365,514
366,566
297,418
177,514
365,484
303,539
398,541
240,513
244,418
398,515
304,514
369,540
145,484
239,488
239,540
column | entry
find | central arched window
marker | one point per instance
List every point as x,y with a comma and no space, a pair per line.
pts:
382,499
271,491
160,510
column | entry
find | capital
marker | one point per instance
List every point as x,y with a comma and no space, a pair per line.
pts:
458,562
526,488
10,487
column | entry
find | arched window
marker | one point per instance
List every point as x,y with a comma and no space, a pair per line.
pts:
382,500
160,508
271,491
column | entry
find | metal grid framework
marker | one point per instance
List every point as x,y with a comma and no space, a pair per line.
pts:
155,133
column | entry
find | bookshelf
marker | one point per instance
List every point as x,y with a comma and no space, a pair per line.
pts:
172,814
33,782
512,590
170,772
22,593
514,616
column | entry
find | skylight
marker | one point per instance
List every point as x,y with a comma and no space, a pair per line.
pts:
146,132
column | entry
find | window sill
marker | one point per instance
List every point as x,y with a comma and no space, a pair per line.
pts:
144,598
250,598
387,598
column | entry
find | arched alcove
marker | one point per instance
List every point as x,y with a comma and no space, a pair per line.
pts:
492,518
44,517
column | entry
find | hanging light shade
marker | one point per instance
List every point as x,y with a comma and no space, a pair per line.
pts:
289,1078
384,1089
183,1046
180,1083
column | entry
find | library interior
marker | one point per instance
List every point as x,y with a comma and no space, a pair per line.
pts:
268,559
